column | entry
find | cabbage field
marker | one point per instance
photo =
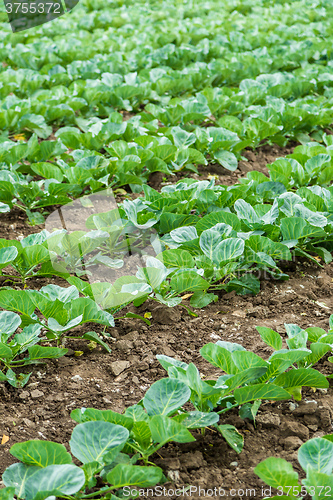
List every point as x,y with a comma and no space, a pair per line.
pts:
166,247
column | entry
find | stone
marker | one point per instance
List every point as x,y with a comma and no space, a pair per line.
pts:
76,378
121,377
59,397
33,385
318,434
268,420
174,475
117,367
290,455
292,443
28,423
165,349
35,394
142,367
124,345
133,359
239,313
24,395
106,400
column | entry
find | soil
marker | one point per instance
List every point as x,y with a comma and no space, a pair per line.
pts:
41,409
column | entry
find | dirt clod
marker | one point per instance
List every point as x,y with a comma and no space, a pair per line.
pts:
268,420
292,443
292,428
166,315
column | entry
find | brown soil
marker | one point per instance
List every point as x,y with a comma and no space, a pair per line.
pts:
41,410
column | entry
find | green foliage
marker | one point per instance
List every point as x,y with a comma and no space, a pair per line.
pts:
194,96
228,243
108,445
233,239
108,110
62,310
248,379
315,458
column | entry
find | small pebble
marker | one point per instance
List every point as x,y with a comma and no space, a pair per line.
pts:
174,475
35,394
117,367
27,422
24,395
32,385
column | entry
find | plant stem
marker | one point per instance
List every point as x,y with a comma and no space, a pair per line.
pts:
227,409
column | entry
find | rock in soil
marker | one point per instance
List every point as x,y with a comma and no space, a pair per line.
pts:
118,367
